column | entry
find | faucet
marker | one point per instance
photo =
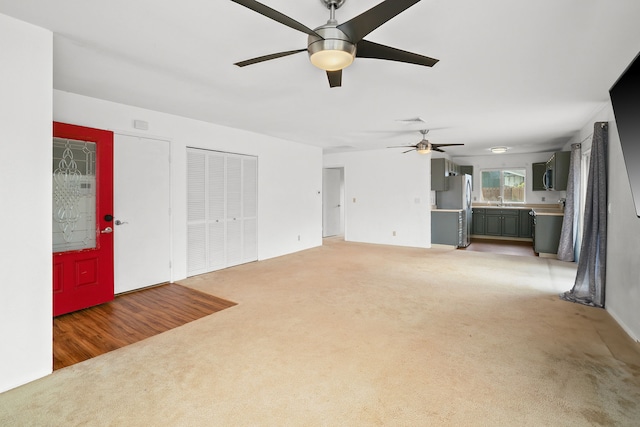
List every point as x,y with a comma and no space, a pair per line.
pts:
500,201
562,203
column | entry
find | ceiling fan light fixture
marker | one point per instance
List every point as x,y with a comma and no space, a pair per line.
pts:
332,55
499,150
334,51
423,148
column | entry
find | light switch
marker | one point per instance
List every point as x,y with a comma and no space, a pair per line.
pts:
354,200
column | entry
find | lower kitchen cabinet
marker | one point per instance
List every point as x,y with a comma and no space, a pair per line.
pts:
502,222
479,221
447,228
547,233
493,225
526,223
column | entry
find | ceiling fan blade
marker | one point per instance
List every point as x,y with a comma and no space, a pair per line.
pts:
444,145
357,28
276,16
267,57
367,49
402,146
408,151
335,78
436,149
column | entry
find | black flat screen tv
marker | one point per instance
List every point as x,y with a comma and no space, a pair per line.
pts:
625,99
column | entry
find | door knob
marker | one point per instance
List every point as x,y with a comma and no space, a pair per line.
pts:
118,222
107,230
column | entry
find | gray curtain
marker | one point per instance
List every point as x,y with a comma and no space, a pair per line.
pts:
566,248
589,287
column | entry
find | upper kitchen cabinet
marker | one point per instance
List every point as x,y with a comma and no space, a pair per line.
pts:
537,174
468,170
442,168
556,175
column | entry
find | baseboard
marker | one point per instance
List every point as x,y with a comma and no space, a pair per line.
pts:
623,325
512,239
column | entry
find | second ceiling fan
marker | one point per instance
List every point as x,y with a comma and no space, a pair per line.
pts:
424,146
333,47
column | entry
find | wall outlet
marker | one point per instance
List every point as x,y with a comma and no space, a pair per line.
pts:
544,198
298,237
394,233
354,200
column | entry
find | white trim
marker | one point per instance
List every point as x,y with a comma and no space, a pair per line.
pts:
622,324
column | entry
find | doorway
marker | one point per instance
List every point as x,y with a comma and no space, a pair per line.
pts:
333,223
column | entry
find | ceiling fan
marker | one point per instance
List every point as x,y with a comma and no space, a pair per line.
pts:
424,146
333,47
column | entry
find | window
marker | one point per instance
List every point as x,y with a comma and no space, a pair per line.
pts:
503,185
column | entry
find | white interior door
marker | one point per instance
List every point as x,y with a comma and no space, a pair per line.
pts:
142,201
332,202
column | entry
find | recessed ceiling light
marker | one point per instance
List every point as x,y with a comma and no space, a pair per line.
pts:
499,149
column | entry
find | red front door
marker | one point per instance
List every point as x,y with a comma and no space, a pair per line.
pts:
82,217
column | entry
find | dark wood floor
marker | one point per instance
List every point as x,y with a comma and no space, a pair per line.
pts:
127,319
505,247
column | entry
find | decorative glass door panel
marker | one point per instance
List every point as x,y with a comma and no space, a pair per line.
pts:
74,195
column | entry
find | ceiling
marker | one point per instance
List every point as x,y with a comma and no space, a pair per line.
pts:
515,73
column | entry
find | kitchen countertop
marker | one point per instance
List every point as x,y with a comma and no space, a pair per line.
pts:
547,211
541,207
503,207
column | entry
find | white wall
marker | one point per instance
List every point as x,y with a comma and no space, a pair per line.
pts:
25,190
289,174
391,192
506,160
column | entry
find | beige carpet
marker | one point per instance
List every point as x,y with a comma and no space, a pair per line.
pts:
352,334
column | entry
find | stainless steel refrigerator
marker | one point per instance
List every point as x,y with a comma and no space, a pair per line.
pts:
458,196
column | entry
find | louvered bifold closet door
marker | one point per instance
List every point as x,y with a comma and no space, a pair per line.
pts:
222,205
249,209
234,210
217,207
196,213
